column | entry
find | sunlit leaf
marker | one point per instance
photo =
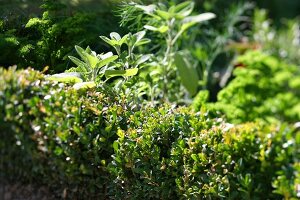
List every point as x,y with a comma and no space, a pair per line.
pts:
143,59
84,85
78,62
164,14
70,77
192,20
139,35
106,61
115,36
147,9
107,55
183,9
128,72
151,28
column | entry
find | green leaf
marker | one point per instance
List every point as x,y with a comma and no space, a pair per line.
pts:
71,77
123,40
106,55
112,43
115,36
139,35
92,60
120,133
164,14
188,73
116,146
81,53
151,28
161,29
192,20
106,61
78,62
84,85
194,157
143,41
114,73
88,56
147,9
33,22
143,59
183,9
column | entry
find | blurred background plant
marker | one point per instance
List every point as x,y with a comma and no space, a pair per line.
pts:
283,43
45,32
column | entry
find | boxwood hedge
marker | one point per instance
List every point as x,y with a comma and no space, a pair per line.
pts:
98,144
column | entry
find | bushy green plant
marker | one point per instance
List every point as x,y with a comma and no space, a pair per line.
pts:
47,40
63,137
190,156
93,67
168,23
264,88
99,144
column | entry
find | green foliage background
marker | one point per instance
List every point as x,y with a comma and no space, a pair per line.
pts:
46,36
264,88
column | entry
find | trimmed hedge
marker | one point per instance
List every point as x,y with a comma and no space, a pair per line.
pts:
97,144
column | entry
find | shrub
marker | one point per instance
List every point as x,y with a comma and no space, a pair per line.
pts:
56,135
187,156
47,40
96,144
264,88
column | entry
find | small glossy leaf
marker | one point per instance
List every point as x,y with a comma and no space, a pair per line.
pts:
116,146
194,157
120,133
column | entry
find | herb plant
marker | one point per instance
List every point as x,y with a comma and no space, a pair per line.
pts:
93,67
170,24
